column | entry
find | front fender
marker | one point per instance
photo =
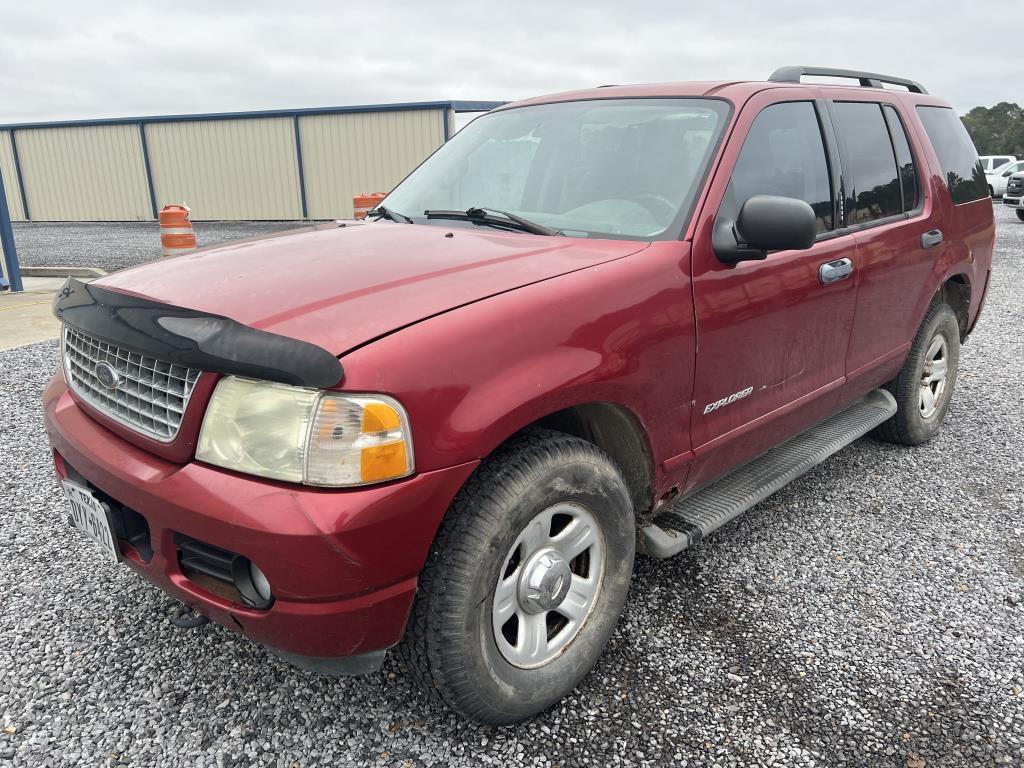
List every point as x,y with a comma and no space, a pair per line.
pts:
620,332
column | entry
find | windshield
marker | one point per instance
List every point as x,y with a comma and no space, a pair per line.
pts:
604,168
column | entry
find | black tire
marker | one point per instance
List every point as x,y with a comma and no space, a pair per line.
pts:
991,192
1020,214
450,643
910,426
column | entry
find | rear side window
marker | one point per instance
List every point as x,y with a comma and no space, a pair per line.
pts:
877,193
957,155
904,158
784,155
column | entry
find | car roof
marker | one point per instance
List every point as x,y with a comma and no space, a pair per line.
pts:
737,91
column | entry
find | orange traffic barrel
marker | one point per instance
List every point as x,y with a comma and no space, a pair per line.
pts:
361,204
176,233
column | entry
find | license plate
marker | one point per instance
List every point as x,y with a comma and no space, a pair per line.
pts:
90,516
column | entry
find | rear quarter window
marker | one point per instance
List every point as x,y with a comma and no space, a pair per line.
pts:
965,176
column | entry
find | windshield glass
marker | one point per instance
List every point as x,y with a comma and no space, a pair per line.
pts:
605,168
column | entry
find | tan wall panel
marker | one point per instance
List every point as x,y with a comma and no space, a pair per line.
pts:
227,169
10,175
348,154
84,173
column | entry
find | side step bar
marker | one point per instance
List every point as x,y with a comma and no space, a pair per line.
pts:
690,519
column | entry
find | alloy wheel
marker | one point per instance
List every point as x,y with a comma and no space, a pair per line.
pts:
548,585
933,376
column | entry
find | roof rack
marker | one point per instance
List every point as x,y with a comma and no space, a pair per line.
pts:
793,74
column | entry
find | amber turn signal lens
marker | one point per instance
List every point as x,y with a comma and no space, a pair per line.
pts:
383,462
380,417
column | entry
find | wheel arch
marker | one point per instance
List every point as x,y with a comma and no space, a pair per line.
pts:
611,426
617,431
956,292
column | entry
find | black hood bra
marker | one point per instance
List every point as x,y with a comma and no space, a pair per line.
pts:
194,339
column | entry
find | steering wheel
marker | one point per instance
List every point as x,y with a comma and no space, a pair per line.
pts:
661,208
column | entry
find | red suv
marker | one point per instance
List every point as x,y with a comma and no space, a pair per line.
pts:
591,324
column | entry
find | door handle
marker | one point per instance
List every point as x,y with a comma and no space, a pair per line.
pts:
834,271
931,238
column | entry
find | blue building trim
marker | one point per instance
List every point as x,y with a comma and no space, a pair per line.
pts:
7,240
458,106
21,182
476,106
149,170
447,127
302,174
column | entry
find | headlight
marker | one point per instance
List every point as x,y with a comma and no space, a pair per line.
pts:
305,435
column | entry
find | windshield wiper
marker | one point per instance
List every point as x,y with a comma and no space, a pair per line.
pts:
504,219
386,213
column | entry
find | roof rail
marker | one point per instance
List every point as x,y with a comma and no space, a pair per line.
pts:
793,74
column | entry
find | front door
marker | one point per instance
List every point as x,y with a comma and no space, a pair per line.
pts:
771,335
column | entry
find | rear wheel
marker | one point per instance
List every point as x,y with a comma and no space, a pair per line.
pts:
525,581
925,384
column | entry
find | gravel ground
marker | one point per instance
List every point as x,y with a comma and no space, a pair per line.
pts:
112,246
872,614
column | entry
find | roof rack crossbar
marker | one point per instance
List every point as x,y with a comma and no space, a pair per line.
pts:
792,74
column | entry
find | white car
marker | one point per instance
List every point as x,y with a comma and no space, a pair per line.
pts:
990,162
998,178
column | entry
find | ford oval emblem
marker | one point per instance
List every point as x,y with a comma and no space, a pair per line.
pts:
107,375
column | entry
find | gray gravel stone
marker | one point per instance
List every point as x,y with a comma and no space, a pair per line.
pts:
869,614
116,245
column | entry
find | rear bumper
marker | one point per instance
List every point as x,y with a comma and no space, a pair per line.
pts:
342,565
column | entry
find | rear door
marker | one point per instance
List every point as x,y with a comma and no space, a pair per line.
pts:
897,232
771,337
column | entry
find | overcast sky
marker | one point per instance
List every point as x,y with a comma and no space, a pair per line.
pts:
77,59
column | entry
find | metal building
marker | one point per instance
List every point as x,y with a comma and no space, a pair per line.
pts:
271,165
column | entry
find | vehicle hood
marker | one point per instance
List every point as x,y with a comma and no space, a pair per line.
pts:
340,287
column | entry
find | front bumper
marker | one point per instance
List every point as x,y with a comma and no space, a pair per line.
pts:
342,564
1013,200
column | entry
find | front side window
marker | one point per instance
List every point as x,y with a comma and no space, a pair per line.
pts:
619,168
784,155
957,155
876,184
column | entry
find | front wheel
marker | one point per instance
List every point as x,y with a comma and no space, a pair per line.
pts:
1020,214
525,580
925,384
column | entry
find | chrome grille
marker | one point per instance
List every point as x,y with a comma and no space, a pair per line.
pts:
150,395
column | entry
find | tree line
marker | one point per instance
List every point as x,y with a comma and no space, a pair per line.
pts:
997,130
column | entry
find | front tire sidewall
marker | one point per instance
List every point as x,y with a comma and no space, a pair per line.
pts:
514,693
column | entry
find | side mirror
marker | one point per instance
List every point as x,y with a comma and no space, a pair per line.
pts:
765,223
1008,173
